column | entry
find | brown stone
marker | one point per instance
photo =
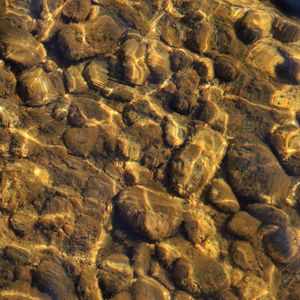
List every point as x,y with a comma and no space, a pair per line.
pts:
255,173
199,274
223,197
76,10
243,255
51,278
134,65
199,226
116,273
281,244
142,259
269,214
180,295
252,287
148,288
155,215
88,288
20,46
38,87
79,41
7,82
243,225
193,167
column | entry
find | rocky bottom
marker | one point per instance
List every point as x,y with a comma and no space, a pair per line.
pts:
149,149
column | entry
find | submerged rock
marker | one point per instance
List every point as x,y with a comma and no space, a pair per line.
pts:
255,173
199,226
116,273
281,244
20,47
76,10
285,140
153,214
8,81
52,279
135,68
244,225
223,197
194,166
77,41
200,274
148,288
38,87
254,26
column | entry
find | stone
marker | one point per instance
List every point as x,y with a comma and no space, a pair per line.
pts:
199,226
20,47
213,115
17,181
116,273
8,81
174,132
80,141
76,10
38,87
123,93
78,41
281,244
136,174
51,278
243,255
75,81
289,70
148,288
160,274
254,26
285,140
18,255
200,36
158,61
225,40
153,214
199,274
122,296
23,221
194,166
89,221
167,253
268,214
84,111
96,73
180,295
135,69
184,100
205,69
254,172
252,287
142,259
266,58
285,31
88,288
9,113
171,32
181,59
223,197
226,68
244,225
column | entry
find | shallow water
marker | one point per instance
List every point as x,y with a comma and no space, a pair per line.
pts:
149,150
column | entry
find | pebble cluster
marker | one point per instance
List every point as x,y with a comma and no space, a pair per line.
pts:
149,149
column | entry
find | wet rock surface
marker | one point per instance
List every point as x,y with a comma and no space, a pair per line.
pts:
149,149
